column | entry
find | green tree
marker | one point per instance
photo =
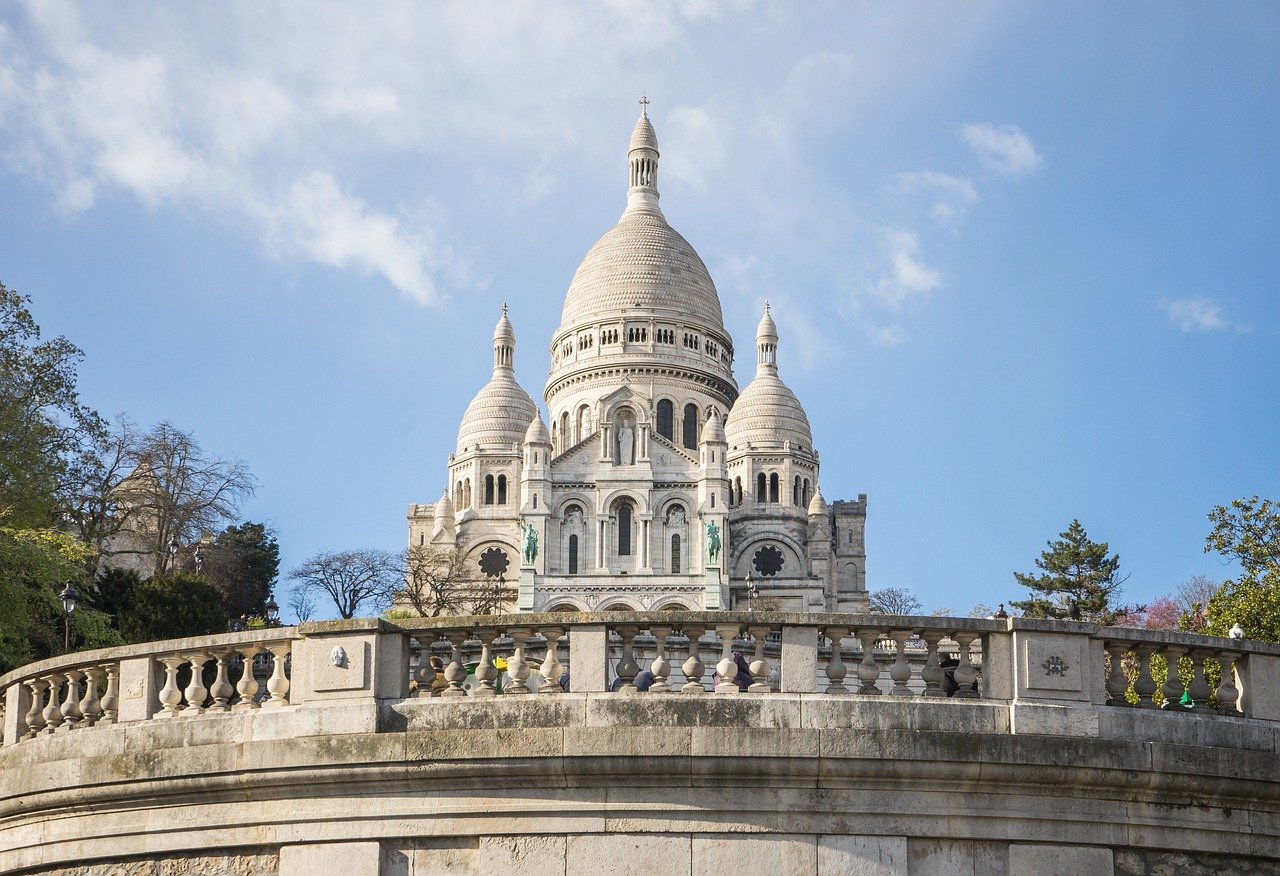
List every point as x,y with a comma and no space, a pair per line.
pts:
1079,580
243,562
174,606
1249,532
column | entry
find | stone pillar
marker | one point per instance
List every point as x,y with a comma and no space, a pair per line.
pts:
644,543
524,597
798,672
1258,680
588,654
139,692
17,701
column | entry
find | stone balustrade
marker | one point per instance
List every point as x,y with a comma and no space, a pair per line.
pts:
176,678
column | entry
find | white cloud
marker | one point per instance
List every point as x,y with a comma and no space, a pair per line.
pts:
906,277
886,335
693,146
951,195
1004,149
1198,315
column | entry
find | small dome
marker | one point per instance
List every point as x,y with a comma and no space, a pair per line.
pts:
444,508
537,433
767,414
643,136
768,329
713,431
504,330
498,416
817,505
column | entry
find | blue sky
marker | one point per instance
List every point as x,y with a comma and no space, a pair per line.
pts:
1022,256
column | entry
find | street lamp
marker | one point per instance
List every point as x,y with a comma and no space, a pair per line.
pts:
752,591
273,611
69,599
498,587
173,552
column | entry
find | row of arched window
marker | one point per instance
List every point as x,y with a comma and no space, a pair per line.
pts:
640,335
666,423
769,490
495,491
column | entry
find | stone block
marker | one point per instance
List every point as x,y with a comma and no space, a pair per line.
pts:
1259,684
17,700
1048,860
625,854
680,710
799,661
998,676
764,853
628,741
139,686
436,745
519,854
348,859
333,666
952,857
588,652
1052,666
1051,719
862,856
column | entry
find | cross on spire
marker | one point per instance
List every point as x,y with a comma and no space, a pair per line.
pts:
644,105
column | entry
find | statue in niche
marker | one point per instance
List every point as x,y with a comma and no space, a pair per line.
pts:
529,539
626,442
713,542
676,517
574,518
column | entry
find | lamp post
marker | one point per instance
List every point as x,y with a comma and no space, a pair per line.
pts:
498,587
273,611
69,599
173,553
752,591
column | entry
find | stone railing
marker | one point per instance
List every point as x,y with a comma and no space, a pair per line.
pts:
1050,677
179,677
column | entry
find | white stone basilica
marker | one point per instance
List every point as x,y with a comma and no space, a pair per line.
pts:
653,455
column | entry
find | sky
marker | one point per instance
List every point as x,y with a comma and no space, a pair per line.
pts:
1022,255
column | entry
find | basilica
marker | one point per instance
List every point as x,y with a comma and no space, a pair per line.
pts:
657,484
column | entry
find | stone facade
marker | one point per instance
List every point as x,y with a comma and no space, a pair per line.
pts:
652,454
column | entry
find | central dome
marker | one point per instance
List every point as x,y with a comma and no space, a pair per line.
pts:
642,264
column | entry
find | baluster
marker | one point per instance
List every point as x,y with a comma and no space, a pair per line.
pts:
196,692
836,670
170,695
518,670
455,673
759,666
111,699
71,714
247,684
1227,693
35,714
52,713
91,704
1199,687
1144,684
1117,681
693,666
424,673
900,671
626,668
932,672
278,683
660,668
727,667
551,668
966,673
221,691
486,673
1173,686
869,669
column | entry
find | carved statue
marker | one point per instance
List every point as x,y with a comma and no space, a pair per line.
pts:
626,443
529,537
713,542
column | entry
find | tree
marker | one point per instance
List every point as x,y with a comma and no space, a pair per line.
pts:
894,600
1248,532
243,562
437,583
176,493
174,606
302,602
352,579
1080,581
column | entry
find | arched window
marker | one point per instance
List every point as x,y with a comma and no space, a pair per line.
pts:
624,529
584,423
736,497
667,419
795,491
761,495
573,555
466,492
422,538
804,493
502,489
535,501
565,440
691,426
457,495
713,500
675,554
773,488
488,489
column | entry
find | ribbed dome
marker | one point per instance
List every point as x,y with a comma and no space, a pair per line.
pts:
642,264
498,416
537,433
643,136
817,505
767,414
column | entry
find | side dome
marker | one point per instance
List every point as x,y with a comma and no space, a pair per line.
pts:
537,433
500,412
767,414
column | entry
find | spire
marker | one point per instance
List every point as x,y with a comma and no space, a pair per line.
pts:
504,344
766,344
642,156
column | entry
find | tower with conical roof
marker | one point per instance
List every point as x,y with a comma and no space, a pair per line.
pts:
656,485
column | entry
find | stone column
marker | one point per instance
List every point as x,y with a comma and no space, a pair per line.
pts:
798,671
588,653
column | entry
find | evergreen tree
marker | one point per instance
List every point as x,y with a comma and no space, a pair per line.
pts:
244,563
1079,580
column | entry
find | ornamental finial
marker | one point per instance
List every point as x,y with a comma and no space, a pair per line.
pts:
644,105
